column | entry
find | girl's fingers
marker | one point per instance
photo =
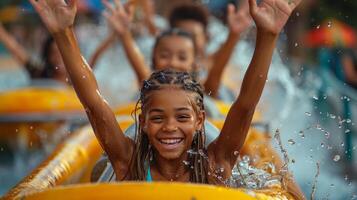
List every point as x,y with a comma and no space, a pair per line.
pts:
294,3
230,9
118,5
252,6
129,8
34,3
72,3
108,6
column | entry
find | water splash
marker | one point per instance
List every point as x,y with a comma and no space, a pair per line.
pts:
285,168
313,190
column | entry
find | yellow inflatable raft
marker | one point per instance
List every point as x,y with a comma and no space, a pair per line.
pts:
73,161
27,111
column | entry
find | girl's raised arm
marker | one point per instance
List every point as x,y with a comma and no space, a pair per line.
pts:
269,16
58,16
119,17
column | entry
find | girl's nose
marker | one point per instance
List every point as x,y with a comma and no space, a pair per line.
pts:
174,63
170,127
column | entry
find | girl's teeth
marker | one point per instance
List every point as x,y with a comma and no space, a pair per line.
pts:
170,141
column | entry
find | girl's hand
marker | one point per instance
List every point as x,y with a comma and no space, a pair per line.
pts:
271,15
57,15
239,20
119,16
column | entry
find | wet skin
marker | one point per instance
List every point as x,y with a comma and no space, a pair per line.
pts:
176,52
56,60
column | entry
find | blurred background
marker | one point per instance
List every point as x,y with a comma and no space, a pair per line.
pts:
310,97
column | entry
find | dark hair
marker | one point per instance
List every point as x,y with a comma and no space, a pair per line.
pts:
143,151
174,32
49,69
193,12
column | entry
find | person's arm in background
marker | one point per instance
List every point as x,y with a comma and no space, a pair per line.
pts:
119,18
238,21
16,50
103,46
148,7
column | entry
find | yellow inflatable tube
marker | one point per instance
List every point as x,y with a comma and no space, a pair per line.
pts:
151,191
40,100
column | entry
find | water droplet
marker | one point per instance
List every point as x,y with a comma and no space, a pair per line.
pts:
187,163
191,151
83,77
296,44
342,144
236,153
332,116
307,114
318,127
16,130
302,135
67,80
246,159
332,185
292,160
327,135
346,177
291,141
56,67
31,127
329,24
315,97
336,158
347,130
325,97
348,121
318,27
322,145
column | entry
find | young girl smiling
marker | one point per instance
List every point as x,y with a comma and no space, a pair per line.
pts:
172,115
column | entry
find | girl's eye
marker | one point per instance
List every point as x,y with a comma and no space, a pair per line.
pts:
164,55
182,58
156,119
184,118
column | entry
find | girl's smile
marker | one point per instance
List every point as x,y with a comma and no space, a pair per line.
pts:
171,122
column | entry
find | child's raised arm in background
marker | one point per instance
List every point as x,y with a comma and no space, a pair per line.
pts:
58,16
17,50
238,21
119,17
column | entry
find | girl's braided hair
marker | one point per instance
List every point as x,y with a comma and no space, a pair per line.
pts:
143,152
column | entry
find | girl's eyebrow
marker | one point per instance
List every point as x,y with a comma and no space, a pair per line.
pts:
155,110
182,109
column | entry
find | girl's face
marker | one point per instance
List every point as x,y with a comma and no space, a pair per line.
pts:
176,52
171,122
197,30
